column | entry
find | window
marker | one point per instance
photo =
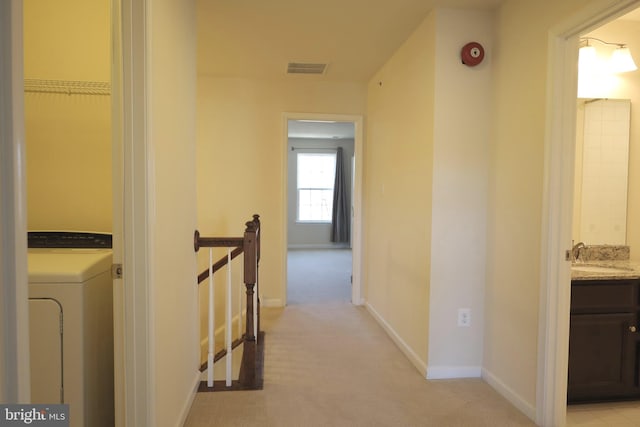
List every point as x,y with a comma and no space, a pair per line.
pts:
316,175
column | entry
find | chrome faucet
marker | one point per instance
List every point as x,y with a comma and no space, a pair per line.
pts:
575,251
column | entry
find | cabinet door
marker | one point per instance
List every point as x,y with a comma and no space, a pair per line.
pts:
602,356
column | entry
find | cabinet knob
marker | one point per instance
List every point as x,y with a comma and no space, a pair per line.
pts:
632,329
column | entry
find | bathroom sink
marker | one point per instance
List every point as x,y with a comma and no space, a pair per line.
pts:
599,269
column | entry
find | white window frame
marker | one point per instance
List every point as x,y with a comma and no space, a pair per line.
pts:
309,152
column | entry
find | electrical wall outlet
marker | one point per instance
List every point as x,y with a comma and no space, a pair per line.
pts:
464,317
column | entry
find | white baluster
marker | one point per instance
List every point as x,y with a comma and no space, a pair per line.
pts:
228,325
211,332
255,304
240,312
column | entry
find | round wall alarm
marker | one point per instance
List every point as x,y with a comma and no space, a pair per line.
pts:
472,54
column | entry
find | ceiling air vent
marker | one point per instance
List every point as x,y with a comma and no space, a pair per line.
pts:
302,68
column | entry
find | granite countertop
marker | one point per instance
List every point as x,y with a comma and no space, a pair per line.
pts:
605,270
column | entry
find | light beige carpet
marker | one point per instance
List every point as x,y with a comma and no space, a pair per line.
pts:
330,364
318,276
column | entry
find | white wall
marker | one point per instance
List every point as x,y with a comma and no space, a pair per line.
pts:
171,80
460,180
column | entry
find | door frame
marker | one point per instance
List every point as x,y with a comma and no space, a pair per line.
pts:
356,244
130,211
134,388
15,384
555,286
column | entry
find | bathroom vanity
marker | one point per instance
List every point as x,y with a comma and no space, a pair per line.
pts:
604,338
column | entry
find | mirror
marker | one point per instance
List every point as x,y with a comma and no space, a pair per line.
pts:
601,171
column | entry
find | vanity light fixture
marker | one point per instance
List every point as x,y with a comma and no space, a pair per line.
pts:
587,57
620,61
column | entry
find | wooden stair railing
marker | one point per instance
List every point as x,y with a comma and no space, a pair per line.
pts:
251,368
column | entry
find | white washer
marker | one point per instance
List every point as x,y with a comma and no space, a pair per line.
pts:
71,324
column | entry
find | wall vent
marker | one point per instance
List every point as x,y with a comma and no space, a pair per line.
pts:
304,68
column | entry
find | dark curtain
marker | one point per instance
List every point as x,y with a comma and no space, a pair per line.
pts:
340,219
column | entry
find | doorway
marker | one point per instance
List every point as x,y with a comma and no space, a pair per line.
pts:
70,145
558,199
604,185
314,146
132,405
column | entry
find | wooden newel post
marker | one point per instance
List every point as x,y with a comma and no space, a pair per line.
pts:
248,368
250,272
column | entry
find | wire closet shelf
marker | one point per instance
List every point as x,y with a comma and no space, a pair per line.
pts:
68,87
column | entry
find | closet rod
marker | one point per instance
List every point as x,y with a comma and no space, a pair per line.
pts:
68,87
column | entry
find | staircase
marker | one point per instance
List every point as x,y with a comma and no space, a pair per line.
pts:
251,338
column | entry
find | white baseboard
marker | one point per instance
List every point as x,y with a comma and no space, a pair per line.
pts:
299,246
271,302
186,408
514,398
420,365
450,372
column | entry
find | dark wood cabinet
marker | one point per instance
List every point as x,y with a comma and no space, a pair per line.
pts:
604,343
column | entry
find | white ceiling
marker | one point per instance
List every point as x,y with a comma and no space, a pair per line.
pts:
257,38
328,130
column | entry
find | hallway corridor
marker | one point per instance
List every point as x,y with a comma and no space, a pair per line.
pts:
331,365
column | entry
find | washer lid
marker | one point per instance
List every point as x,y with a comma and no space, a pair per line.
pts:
67,265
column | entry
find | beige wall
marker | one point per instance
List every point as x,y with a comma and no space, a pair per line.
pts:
397,190
241,157
171,76
515,194
460,177
68,136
